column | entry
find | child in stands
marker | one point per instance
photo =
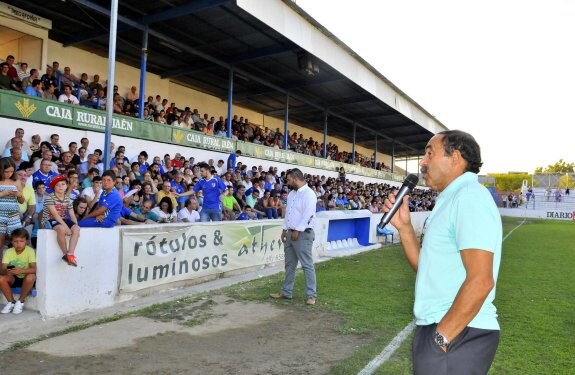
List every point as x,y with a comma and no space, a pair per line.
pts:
18,271
59,213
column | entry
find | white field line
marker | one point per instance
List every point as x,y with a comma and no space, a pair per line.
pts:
388,350
401,336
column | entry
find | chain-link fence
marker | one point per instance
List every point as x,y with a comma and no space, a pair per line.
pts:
553,180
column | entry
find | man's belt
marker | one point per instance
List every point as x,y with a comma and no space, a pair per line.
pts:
307,230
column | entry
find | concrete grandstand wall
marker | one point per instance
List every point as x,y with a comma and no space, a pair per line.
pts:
95,283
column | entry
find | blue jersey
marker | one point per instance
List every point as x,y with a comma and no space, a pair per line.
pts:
45,178
113,203
32,92
125,212
212,189
178,188
232,159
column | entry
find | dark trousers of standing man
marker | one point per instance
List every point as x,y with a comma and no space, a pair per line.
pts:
300,249
470,353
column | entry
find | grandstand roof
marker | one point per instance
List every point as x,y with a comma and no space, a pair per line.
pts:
266,42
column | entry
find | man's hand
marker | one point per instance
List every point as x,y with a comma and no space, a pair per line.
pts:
294,235
402,218
15,271
100,218
284,235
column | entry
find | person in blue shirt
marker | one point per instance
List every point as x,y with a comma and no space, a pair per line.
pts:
44,174
212,187
142,157
233,159
178,188
109,206
34,89
457,261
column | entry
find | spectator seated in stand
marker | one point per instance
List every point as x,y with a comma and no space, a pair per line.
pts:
67,96
18,271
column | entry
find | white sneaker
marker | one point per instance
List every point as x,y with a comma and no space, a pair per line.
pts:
8,308
18,307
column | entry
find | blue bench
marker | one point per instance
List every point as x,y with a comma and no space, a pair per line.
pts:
384,232
33,292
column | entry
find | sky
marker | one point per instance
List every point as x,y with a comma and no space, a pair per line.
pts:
503,71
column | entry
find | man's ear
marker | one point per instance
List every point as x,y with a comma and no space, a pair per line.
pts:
458,161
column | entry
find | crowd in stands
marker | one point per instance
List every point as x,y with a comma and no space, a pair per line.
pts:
158,189
66,87
47,186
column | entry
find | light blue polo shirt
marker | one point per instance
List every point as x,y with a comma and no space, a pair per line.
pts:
464,217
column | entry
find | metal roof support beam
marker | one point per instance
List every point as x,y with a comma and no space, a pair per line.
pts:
375,153
233,60
299,110
325,135
313,81
146,20
406,157
353,145
216,61
261,52
111,76
143,67
230,99
247,95
392,155
86,37
182,10
195,68
286,122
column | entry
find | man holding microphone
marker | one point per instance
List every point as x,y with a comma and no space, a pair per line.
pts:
457,261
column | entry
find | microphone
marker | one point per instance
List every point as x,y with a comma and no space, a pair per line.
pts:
405,189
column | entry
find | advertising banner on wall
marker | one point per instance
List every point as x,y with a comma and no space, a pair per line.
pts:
197,139
156,255
29,108
79,117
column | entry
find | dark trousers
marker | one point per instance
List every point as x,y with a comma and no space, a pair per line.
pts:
471,352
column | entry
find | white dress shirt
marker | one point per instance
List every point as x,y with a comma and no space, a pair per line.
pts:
300,212
192,216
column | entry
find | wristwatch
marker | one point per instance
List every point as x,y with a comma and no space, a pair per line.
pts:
441,340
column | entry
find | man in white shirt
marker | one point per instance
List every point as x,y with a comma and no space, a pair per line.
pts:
67,96
46,155
92,193
15,143
220,168
189,214
298,236
247,182
19,133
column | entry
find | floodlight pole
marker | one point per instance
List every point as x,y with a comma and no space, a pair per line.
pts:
111,74
143,67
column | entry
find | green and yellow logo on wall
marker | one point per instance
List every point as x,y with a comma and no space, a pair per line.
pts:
25,108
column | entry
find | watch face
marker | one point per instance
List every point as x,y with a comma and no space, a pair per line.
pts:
439,339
